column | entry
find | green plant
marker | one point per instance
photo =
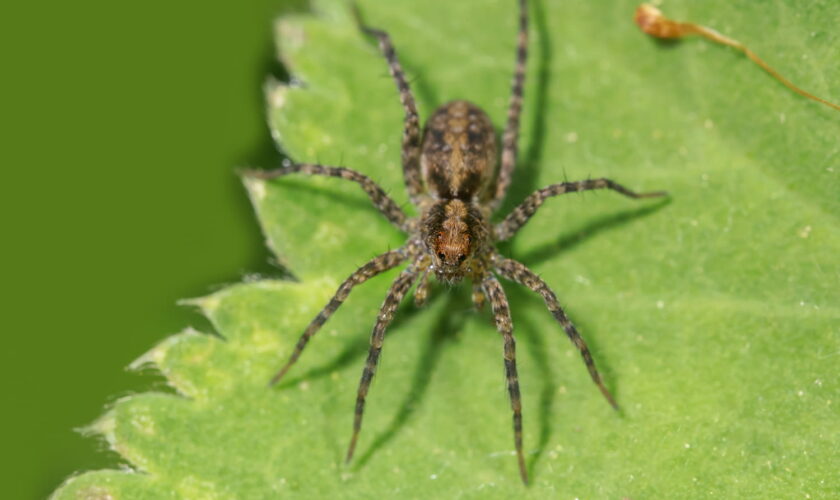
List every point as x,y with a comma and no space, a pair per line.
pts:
714,317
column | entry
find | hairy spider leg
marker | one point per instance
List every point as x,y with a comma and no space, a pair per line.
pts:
377,195
422,290
375,266
516,271
395,295
521,214
478,297
510,137
504,324
411,122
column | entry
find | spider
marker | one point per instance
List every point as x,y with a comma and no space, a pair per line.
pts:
449,170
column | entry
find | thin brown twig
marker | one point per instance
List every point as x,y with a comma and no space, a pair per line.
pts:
654,23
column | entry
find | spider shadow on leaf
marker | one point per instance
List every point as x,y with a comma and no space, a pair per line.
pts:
545,341
450,320
332,190
532,336
355,348
574,237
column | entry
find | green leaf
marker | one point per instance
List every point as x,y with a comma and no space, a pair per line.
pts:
714,317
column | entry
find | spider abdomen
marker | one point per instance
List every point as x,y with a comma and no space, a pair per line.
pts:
458,156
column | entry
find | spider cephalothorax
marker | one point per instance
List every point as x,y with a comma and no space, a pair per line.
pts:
454,233
450,174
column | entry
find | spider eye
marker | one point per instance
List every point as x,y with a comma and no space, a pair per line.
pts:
461,258
441,256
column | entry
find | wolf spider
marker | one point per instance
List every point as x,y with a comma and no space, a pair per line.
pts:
449,174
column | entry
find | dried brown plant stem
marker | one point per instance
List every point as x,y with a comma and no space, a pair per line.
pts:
654,23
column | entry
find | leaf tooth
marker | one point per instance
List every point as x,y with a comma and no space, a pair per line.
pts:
256,189
111,484
141,428
110,426
293,32
102,426
153,357
257,193
208,304
179,358
276,94
290,34
276,98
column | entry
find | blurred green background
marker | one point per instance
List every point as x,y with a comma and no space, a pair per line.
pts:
122,126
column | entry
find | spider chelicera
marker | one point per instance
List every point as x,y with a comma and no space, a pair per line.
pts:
451,177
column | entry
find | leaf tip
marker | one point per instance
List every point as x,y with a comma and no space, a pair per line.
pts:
86,492
154,357
276,98
148,359
207,304
289,32
255,188
276,94
103,426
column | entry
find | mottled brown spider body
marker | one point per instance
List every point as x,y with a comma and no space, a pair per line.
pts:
457,162
458,157
450,174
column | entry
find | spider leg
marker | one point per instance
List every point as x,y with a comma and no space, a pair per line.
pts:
501,314
386,313
511,134
422,290
377,265
411,122
516,271
478,297
382,201
521,214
